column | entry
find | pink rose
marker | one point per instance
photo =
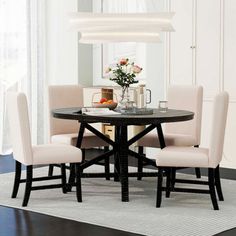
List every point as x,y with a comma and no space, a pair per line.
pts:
137,69
107,70
123,61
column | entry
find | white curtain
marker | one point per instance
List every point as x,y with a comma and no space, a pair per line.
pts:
22,63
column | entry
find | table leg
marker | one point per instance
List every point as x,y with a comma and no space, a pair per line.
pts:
80,135
123,154
161,136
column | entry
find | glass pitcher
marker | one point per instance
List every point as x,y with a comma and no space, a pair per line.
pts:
142,96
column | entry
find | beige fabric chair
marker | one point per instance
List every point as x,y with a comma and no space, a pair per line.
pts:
66,131
24,153
187,133
173,156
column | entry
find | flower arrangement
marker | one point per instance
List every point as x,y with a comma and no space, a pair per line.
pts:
124,73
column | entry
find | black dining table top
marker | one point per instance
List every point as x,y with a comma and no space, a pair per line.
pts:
158,116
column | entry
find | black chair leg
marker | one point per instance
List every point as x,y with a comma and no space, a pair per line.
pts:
116,156
116,167
17,179
83,150
78,182
50,170
159,187
71,178
173,177
218,184
107,164
83,154
29,177
140,163
211,181
168,181
63,178
198,173
197,170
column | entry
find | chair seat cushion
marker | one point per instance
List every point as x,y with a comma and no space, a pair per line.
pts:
90,140
183,157
151,140
56,154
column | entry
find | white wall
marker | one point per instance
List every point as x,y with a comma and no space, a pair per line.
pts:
207,59
85,51
61,43
68,62
155,60
228,81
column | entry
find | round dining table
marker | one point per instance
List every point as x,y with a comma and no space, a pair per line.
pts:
121,144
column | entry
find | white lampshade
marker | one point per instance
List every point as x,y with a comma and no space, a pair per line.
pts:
105,37
117,27
84,21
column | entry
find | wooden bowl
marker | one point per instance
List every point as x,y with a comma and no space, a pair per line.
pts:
111,106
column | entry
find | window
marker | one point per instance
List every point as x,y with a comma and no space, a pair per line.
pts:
13,55
13,41
22,62
111,52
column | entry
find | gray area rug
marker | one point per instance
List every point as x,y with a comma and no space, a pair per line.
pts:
181,214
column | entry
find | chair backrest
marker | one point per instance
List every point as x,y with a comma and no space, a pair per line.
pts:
62,96
19,127
186,98
220,110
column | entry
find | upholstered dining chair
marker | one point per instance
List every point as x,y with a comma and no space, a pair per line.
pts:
173,156
66,131
28,155
186,133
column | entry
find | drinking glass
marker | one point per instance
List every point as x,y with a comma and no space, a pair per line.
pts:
163,106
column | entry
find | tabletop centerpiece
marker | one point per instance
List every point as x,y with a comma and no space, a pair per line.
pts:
124,73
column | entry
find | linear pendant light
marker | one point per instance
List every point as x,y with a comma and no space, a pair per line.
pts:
115,37
117,27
